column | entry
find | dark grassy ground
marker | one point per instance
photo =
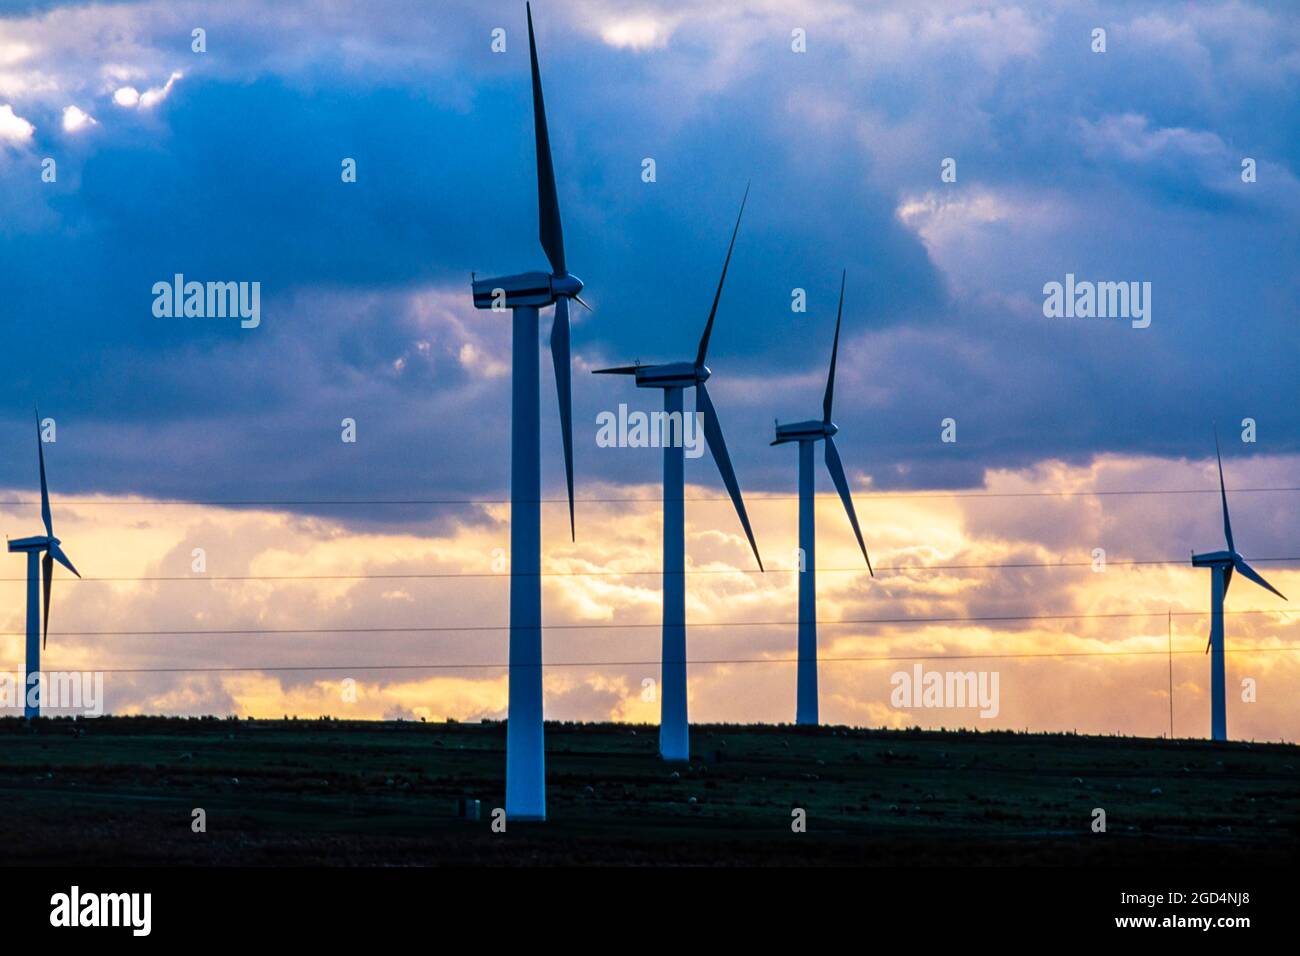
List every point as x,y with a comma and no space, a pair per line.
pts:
120,790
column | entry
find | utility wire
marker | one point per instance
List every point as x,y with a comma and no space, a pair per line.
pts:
178,632
505,575
650,500
655,663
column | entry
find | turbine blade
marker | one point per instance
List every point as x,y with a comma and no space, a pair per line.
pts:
620,370
45,490
548,203
836,468
564,388
1223,493
1255,576
47,578
830,379
708,327
718,446
62,558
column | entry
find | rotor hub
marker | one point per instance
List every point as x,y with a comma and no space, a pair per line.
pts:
567,285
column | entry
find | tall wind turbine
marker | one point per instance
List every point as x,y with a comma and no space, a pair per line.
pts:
1222,564
43,549
673,378
807,434
524,294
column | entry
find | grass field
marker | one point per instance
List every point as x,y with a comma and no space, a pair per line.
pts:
121,790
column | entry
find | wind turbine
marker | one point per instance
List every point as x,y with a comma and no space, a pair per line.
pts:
673,378
807,434
524,294
1222,564
34,546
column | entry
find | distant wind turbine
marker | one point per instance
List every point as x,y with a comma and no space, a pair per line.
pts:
1222,564
34,546
674,730
807,434
524,294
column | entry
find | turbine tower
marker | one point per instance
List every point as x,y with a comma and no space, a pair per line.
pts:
1221,565
43,550
807,434
674,730
524,294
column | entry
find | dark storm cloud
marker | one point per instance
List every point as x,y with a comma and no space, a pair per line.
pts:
1069,161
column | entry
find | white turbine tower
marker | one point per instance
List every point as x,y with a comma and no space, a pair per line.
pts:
673,378
524,294
1221,565
807,434
42,550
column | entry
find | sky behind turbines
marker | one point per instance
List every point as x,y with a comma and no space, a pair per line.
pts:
225,166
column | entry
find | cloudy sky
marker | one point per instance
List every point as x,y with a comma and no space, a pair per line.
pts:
1123,165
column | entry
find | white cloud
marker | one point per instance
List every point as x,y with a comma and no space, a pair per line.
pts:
1229,44
115,73
14,51
13,128
928,214
1131,137
638,32
967,233
155,95
991,38
75,118
475,360
1200,154
130,98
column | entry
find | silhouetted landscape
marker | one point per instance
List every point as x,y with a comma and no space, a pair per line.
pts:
121,790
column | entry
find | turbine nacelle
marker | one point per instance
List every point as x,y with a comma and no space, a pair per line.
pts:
1215,559
36,543
535,289
812,430
668,375
674,374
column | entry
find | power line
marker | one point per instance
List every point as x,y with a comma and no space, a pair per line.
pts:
186,632
280,668
505,575
874,495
